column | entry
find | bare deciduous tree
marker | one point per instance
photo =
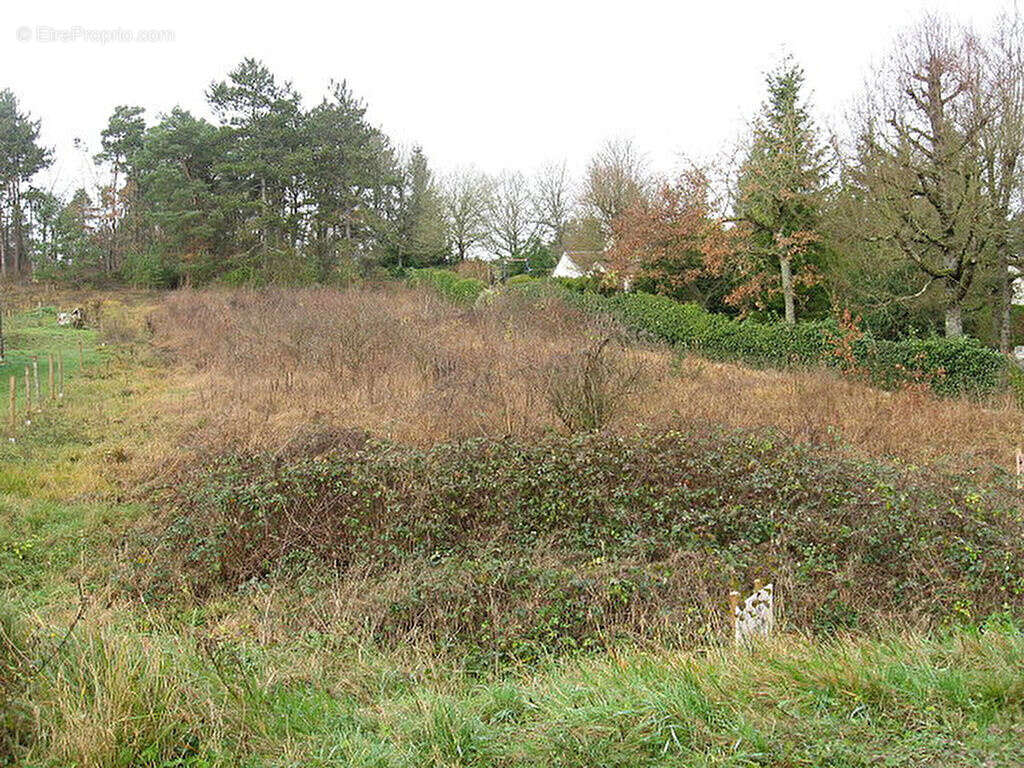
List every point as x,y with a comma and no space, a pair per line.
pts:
616,179
921,132
466,198
1002,152
553,201
510,214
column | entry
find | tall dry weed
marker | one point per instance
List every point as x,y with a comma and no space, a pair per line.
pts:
258,368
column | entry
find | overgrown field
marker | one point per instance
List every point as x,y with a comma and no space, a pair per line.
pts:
377,528
267,369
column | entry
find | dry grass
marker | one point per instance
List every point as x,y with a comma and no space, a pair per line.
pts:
820,407
283,369
267,369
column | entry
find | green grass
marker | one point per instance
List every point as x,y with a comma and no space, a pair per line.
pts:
71,449
47,548
32,336
124,697
56,508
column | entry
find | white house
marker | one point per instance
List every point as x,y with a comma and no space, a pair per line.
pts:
579,264
1017,287
1017,299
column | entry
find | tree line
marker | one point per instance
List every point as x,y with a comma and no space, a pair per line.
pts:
908,218
269,191
911,219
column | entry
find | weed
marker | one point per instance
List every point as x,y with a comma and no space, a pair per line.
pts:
590,386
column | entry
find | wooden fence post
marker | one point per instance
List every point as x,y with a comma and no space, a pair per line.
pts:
60,374
28,394
13,408
50,372
35,380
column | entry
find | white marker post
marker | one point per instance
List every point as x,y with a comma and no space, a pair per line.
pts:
755,617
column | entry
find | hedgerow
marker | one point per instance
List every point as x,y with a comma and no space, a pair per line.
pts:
565,540
459,290
949,366
962,366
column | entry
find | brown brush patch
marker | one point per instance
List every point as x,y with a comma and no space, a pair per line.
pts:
820,407
259,368
290,369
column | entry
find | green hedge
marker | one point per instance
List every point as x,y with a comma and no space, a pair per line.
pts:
950,367
460,290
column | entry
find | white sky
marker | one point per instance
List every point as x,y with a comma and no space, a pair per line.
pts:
498,85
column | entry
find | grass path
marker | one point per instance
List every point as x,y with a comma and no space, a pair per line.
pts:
59,479
35,335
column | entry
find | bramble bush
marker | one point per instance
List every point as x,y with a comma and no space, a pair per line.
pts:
581,537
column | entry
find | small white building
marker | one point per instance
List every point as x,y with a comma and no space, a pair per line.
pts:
579,264
1017,287
1017,299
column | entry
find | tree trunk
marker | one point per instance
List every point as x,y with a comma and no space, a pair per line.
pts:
954,295
18,232
112,254
263,209
787,288
1006,278
954,315
3,244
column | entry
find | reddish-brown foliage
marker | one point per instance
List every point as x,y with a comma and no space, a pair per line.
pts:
675,236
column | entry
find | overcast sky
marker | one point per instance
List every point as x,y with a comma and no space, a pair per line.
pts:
498,85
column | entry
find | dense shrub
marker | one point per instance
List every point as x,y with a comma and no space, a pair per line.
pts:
460,290
950,367
150,269
595,534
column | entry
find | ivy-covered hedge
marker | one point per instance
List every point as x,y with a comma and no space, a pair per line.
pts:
950,367
460,290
